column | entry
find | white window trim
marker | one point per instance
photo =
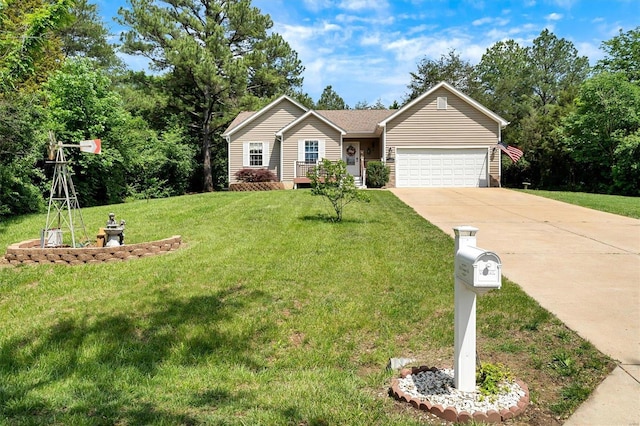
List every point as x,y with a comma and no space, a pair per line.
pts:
301,146
246,151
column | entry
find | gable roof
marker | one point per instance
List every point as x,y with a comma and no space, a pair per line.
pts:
304,117
450,88
247,117
357,121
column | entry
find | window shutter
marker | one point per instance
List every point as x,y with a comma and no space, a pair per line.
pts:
320,149
245,154
301,150
265,154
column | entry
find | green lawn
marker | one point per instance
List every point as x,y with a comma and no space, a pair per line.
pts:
617,204
268,314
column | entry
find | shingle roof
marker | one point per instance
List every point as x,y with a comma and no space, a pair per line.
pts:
357,120
239,119
360,121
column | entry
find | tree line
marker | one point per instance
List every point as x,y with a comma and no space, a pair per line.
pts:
161,130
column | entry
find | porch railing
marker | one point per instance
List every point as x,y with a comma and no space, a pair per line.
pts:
302,168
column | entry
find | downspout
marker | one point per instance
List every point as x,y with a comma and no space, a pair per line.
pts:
499,157
228,139
280,138
384,144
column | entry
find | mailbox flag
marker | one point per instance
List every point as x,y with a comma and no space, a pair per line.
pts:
93,146
513,152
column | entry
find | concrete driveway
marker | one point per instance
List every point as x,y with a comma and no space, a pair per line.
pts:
582,265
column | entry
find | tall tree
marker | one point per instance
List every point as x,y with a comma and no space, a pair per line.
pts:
501,75
450,68
533,88
329,99
365,105
622,55
217,53
607,114
29,47
81,104
86,36
555,71
20,150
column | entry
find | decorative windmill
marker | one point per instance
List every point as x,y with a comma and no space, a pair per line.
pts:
63,213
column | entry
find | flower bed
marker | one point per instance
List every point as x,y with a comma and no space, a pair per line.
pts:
431,389
30,252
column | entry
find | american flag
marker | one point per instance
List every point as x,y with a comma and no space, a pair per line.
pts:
513,152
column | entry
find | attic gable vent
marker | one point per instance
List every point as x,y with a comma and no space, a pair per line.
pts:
442,102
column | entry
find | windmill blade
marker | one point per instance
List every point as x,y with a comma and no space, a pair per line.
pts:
93,146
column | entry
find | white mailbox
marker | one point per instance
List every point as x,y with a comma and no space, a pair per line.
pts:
478,268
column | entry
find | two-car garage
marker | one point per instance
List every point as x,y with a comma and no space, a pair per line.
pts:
438,168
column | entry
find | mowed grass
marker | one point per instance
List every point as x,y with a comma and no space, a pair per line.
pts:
617,204
269,314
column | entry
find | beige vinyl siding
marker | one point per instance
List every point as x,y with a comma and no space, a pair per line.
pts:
460,125
262,129
311,128
494,167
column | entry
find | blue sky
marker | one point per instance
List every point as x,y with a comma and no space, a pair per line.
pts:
366,49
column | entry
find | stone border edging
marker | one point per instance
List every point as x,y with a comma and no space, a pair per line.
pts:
451,414
256,186
30,253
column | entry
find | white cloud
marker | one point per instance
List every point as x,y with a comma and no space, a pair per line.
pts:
366,20
357,5
482,21
327,27
489,20
317,5
420,29
366,53
497,34
565,4
590,50
370,40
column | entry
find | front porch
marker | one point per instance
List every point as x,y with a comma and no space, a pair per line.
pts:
301,170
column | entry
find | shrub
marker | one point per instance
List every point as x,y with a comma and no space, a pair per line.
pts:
255,175
626,169
377,174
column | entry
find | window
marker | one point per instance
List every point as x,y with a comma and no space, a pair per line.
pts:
442,102
255,154
311,151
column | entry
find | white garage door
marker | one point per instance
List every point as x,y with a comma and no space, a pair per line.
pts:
439,168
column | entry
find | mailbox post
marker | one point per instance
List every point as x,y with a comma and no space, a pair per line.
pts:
476,272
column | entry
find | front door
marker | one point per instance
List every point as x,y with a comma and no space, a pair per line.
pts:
351,156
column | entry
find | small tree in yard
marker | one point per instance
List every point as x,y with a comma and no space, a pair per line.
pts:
331,180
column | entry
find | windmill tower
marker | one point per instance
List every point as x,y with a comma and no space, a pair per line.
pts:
64,214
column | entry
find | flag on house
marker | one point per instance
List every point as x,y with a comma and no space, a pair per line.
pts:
513,152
